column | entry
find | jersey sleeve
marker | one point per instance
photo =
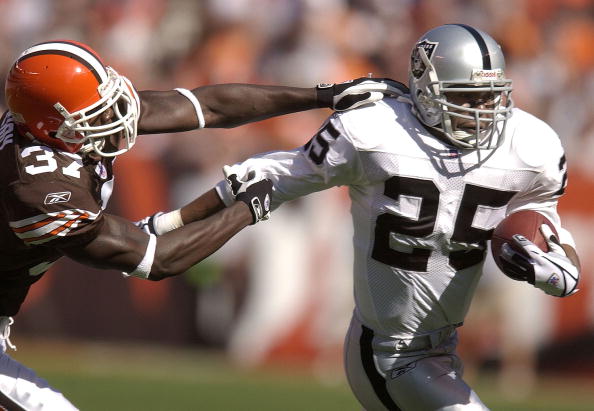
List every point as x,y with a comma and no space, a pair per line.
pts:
52,213
550,179
329,159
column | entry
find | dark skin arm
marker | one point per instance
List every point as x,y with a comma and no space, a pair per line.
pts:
223,106
121,245
204,206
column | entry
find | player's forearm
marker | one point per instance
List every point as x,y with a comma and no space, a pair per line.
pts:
180,249
230,105
234,104
204,206
221,106
123,246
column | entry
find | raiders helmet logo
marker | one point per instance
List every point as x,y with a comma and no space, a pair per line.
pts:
416,63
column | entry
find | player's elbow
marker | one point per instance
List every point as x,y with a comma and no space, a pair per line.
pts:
164,268
175,254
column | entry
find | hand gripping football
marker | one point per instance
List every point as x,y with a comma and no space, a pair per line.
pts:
526,223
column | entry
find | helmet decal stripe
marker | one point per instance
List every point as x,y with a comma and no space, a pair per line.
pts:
481,43
71,50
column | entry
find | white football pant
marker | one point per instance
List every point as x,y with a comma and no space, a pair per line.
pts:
20,387
425,380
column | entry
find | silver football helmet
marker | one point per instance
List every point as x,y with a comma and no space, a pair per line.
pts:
454,62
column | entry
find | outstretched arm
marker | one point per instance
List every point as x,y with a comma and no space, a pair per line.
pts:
121,245
207,226
224,106
231,105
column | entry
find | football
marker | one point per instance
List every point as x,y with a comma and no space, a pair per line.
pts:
526,223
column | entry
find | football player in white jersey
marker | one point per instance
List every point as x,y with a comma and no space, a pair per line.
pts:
430,174
69,115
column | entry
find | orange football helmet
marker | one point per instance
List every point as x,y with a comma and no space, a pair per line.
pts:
56,89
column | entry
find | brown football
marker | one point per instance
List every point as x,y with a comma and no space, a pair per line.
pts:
526,223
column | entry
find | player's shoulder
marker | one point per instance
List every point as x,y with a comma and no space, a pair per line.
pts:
372,125
47,194
35,178
384,110
528,126
43,209
534,141
27,161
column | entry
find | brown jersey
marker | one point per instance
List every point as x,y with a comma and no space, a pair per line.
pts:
49,200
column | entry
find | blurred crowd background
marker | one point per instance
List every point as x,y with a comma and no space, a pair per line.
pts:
281,290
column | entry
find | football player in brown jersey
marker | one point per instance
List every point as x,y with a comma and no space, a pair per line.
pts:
69,115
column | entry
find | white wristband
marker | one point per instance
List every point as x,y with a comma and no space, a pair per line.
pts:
190,96
143,269
167,222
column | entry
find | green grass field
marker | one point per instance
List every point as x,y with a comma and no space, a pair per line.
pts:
100,377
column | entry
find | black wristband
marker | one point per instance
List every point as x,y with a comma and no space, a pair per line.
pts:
325,95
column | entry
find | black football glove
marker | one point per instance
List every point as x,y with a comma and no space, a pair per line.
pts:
253,190
354,93
147,224
257,198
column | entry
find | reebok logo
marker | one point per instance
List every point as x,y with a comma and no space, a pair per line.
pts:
53,198
398,372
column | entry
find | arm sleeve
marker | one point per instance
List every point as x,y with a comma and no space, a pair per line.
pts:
329,159
44,212
548,185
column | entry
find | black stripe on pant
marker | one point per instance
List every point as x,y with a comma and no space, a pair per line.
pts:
8,404
377,381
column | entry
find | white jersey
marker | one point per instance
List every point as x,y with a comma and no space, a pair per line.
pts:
422,210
